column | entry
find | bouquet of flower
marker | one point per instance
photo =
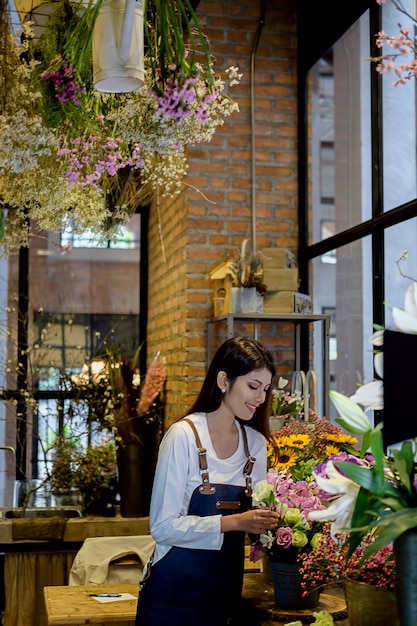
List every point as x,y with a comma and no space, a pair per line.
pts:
283,402
379,494
293,500
117,397
81,160
299,446
246,268
131,400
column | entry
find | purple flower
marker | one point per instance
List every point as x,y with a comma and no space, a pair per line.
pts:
62,77
257,551
366,461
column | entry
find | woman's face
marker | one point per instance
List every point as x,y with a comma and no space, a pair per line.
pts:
247,393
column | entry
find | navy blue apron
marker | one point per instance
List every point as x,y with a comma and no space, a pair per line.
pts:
194,587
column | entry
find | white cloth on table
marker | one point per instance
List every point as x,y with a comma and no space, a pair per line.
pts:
94,562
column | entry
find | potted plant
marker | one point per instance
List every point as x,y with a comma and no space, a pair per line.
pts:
137,424
295,534
245,267
125,404
89,471
285,403
370,586
378,494
289,488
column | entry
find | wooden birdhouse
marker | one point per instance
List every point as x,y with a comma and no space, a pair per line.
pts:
222,277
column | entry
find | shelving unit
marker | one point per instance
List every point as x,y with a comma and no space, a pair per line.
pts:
225,327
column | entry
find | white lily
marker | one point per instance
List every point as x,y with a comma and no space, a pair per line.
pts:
406,319
341,509
282,382
352,417
377,338
379,364
370,395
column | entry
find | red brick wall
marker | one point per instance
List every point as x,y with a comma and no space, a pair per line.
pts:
217,211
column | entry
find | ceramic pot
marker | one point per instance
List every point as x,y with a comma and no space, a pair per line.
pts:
134,480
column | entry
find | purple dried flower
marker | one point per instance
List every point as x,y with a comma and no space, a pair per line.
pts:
62,77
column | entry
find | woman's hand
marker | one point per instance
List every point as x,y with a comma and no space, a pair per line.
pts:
255,521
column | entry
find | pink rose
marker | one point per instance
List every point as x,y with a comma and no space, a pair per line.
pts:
284,537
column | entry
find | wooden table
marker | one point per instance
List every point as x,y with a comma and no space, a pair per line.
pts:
71,606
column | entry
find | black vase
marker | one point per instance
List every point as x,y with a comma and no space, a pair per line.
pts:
101,502
135,480
405,550
286,579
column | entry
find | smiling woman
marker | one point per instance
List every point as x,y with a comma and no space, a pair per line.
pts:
200,508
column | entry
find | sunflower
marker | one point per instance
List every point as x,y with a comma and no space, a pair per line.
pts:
330,449
341,438
299,440
285,459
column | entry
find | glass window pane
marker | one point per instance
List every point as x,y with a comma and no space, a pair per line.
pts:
128,239
343,290
340,139
65,342
79,301
398,275
399,119
7,453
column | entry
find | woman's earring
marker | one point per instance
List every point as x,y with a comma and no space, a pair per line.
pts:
223,390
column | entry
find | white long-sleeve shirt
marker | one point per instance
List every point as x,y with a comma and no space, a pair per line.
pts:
178,474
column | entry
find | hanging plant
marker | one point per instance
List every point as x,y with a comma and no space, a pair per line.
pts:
79,160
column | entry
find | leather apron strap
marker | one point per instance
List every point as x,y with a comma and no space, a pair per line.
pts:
206,488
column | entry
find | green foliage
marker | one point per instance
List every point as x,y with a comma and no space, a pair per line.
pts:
85,470
172,36
386,503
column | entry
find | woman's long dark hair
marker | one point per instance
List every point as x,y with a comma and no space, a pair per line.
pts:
237,356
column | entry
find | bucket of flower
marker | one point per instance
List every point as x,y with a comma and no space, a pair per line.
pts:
290,490
369,585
